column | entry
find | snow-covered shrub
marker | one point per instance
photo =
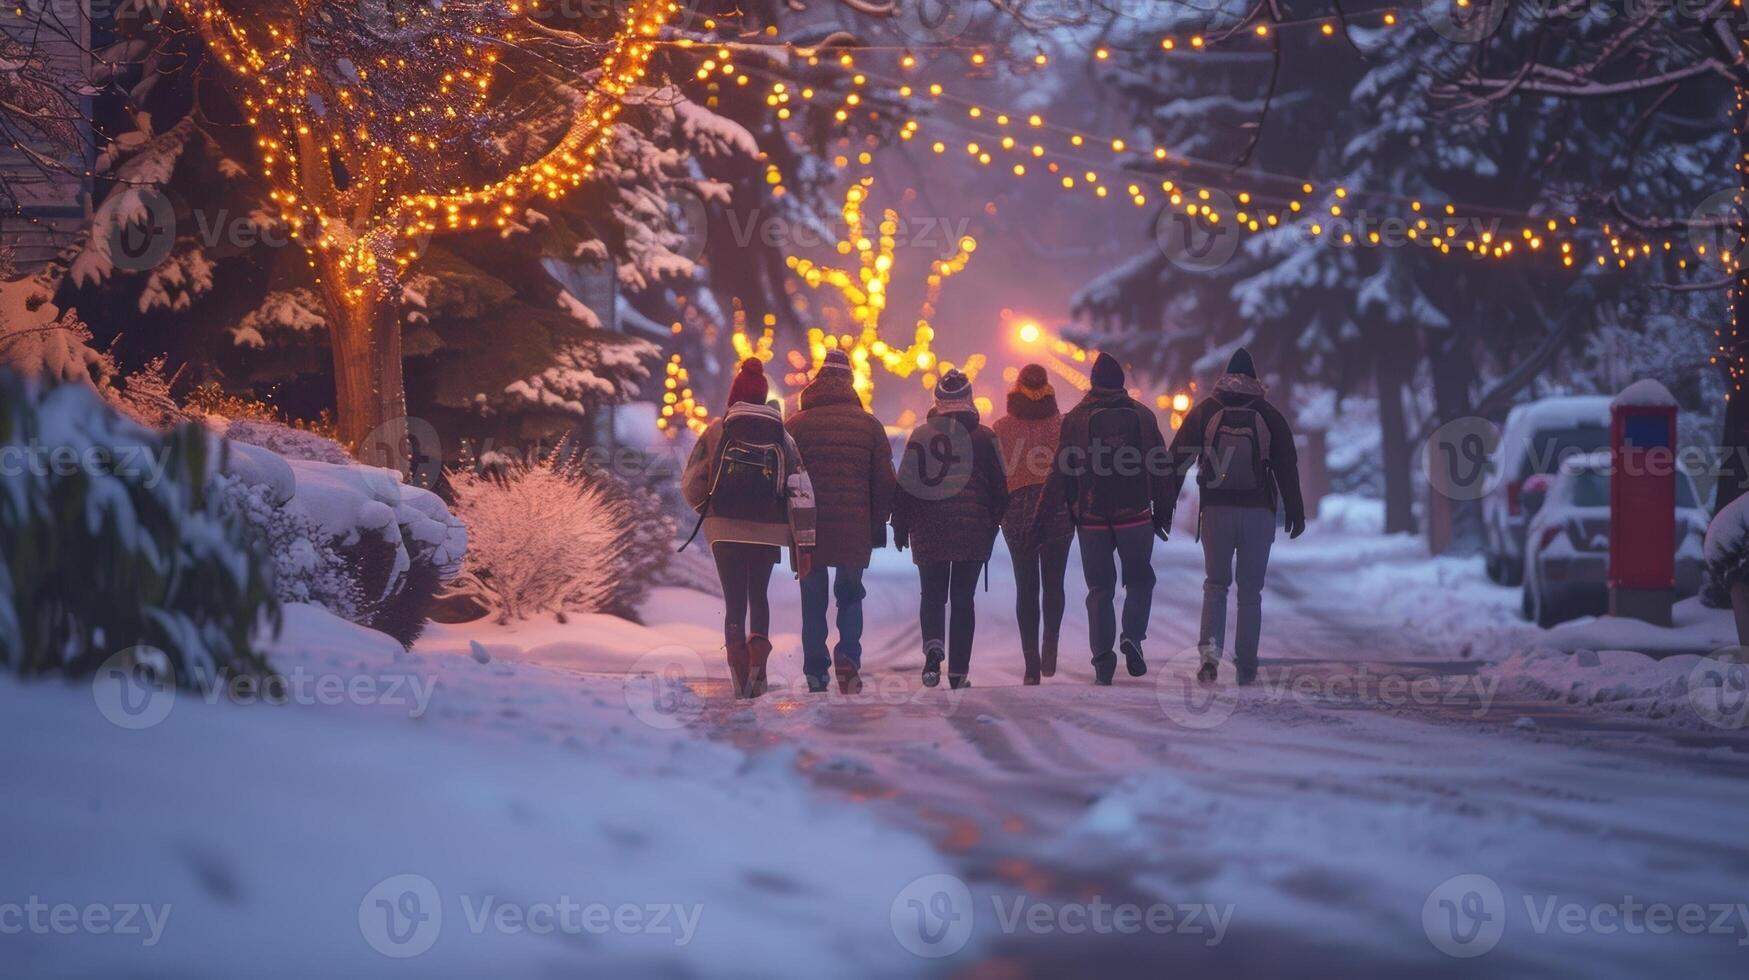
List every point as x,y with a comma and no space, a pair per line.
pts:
370,548
1727,552
306,565
110,540
541,538
290,441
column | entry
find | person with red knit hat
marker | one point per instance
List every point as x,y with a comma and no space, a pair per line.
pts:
747,482
1028,437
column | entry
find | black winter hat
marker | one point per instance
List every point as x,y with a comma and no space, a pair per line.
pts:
1241,364
953,388
1107,372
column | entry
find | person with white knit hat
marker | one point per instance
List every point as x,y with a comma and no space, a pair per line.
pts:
952,493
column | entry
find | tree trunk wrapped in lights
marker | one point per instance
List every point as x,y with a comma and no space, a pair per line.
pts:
380,122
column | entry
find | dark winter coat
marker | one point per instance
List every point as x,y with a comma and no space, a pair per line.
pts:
850,464
1071,479
1241,391
1027,437
759,424
952,490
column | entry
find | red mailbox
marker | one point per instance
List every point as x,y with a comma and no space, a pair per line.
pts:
1642,503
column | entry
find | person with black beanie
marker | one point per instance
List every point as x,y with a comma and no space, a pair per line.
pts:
1243,451
1111,474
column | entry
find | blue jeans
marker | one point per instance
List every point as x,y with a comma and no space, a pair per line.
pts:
847,591
1103,552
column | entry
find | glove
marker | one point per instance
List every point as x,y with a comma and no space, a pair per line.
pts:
901,538
878,535
1296,526
1163,527
804,562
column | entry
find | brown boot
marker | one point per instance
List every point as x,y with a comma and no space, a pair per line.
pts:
758,652
738,667
849,681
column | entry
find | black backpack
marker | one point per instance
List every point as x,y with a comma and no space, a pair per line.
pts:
1235,450
747,478
1118,477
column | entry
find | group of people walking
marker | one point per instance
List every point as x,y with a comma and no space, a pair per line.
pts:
824,484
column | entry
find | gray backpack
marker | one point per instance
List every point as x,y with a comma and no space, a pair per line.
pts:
1235,450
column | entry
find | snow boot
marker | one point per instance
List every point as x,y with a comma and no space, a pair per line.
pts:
1206,673
1047,656
933,655
817,685
738,664
1031,661
1132,657
758,652
849,679
1031,678
957,681
1246,676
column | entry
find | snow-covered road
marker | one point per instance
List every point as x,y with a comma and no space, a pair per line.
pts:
582,799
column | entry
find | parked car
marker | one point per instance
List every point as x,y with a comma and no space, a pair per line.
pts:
1566,561
1537,436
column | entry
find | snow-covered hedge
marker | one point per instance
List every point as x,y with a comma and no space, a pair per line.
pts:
109,540
349,537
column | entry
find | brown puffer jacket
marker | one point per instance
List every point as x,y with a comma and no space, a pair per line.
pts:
1027,437
851,465
952,490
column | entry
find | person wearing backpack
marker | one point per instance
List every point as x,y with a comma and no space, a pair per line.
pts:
1111,473
1245,461
746,480
850,464
1028,436
952,493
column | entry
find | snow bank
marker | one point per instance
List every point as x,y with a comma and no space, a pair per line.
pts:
1679,690
1695,629
1727,541
495,786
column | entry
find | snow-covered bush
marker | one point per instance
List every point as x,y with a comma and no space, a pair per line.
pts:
1727,552
541,538
110,540
307,567
289,441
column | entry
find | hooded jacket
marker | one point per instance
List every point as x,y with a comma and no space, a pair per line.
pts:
1070,481
850,463
952,490
1241,391
755,424
1027,437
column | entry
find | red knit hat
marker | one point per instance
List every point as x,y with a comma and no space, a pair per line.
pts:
750,385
